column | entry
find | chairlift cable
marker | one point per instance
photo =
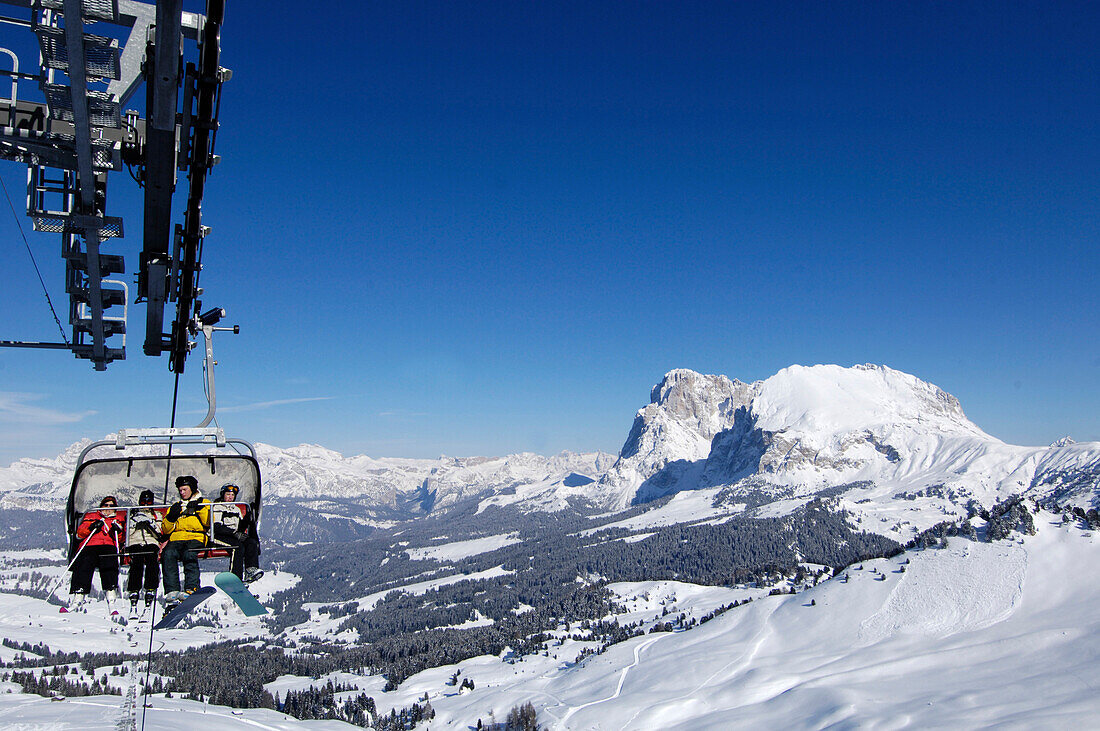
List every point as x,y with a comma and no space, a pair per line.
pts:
26,243
153,609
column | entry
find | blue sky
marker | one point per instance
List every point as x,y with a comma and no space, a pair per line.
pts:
487,228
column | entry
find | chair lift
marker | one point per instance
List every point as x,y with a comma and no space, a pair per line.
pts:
147,459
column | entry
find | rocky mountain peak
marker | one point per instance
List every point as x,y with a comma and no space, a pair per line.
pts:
703,403
805,424
672,433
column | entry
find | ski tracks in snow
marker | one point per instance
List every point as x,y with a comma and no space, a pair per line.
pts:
962,590
638,649
729,670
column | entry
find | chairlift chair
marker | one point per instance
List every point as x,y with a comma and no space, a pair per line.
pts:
146,459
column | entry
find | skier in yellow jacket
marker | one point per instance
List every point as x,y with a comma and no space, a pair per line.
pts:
186,525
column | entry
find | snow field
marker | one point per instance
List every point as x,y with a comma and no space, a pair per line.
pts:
34,713
684,507
25,619
972,635
459,550
976,650
322,624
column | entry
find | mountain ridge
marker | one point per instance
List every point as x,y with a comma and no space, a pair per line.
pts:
805,430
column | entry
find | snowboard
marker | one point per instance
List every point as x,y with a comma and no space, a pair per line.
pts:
181,610
239,593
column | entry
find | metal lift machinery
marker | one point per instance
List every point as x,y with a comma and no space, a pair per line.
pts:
65,122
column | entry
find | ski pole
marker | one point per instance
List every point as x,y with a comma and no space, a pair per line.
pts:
118,560
70,566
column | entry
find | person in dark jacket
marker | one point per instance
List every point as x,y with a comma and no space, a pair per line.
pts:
234,527
143,546
99,532
185,525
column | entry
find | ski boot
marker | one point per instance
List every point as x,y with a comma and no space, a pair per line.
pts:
109,597
172,600
76,603
134,604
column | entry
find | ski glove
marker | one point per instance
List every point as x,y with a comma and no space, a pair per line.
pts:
98,525
174,513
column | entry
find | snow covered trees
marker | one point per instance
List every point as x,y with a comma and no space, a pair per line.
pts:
1011,514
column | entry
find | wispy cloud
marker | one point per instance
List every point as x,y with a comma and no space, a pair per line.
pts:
17,407
401,414
266,404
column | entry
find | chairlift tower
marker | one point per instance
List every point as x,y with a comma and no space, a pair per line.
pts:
66,123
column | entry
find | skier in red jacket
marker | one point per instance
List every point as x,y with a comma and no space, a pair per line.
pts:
100,531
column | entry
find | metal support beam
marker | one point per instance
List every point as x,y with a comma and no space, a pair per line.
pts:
162,88
85,206
207,84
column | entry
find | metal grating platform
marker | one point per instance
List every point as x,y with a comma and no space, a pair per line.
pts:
101,55
103,111
90,9
62,224
57,152
104,152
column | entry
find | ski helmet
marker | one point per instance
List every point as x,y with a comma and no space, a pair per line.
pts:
187,480
146,497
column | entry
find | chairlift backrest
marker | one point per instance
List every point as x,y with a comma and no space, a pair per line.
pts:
126,477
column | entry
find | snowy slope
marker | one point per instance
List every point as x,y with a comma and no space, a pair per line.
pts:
21,711
973,635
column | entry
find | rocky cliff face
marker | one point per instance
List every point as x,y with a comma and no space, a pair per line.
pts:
672,435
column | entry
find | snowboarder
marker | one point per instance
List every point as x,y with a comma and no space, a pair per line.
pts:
143,540
234,527
98,532
185,525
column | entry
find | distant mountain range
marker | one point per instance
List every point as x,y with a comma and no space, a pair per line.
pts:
829,546
867,434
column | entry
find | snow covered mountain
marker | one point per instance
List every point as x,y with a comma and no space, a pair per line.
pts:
388,488
869,430
870,434
988,628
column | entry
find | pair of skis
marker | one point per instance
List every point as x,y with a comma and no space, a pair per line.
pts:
227,582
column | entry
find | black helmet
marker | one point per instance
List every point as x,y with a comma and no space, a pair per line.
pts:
146,497
187,480
230,487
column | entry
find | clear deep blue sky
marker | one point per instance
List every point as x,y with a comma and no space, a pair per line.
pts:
483,228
